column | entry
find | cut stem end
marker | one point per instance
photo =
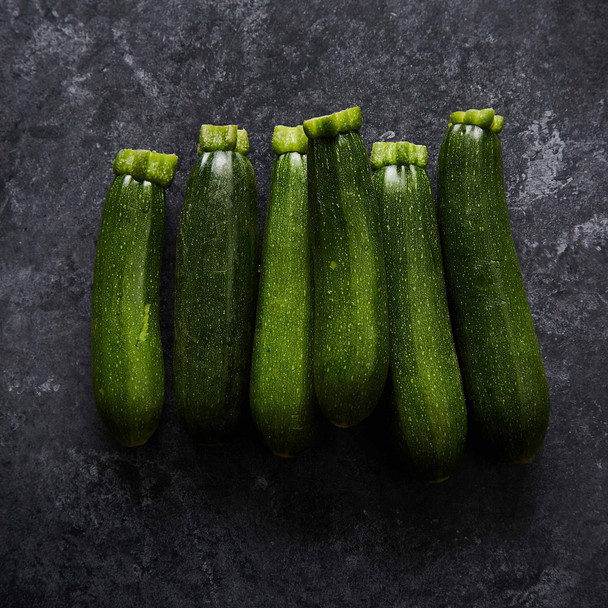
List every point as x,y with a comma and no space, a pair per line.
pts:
289,139
486,119
144,165
385,153
242,142
214,137
332,124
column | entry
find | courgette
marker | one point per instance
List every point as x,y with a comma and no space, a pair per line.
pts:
128,375
351,347
282,394
215,286
500,359
427,406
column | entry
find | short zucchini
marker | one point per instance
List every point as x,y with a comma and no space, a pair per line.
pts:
427,406
215,286
282,394
128,376
351,347
500,359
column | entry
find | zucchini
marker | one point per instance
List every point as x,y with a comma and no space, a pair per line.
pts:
500,359
351,344
427,406
215,286
282,394
128,376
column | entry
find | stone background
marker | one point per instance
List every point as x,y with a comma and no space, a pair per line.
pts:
84,522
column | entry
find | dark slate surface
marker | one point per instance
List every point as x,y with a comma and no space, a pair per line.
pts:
84,522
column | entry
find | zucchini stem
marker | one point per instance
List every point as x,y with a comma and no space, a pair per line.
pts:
344,121
214,137
144,165
385,153
242,142
289,139
486,119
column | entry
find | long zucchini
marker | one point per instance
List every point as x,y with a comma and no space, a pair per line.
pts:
501,363
128,376
427,406
215,286
351,347
282,394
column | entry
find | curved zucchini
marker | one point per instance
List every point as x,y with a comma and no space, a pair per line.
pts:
501,364
215,286
428,411
282,394
351,347
128,377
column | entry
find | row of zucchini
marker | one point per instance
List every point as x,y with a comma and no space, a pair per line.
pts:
352,296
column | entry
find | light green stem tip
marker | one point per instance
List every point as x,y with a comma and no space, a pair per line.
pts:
486,119
289,139
214,137
332,124
144,165
386,153
242,142
497,124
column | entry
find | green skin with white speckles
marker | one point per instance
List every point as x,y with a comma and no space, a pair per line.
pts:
427,406
215,294
351,344
128,377
502,369
282,393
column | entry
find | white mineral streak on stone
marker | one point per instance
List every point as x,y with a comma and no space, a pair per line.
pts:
28,384
591,234
555,587
68,40
545,157
77,89
45,387
145,79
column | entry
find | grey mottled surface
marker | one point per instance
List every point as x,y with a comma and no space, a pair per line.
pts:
84,522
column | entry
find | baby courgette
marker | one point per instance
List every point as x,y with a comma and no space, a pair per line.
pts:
282,393
351,347
500,359
427,406
128,377
215,286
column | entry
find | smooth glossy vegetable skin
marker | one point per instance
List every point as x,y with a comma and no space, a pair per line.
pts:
215,288
501,364
351,348
128,376
427,406
282,394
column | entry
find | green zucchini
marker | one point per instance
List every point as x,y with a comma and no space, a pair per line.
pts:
427,406
216,275
282,394
128,376
502,368
351,344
